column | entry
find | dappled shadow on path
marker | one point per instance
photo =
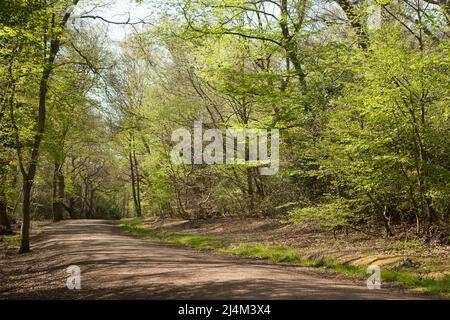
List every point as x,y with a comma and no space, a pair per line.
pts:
235,289
117,266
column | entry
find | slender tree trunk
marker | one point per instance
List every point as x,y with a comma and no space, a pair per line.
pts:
82,202
55,195
43,89
260,187
58,194
25,228
71,208
85,200
133,186
61,190
124,205
357,23
91,203
28,177
250,189
138,184
5,226
387,222
290,43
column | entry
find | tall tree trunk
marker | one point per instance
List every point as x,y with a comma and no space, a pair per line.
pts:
387,217
58,194
357,23
82,201
91,203
71,208
289,42
25,228
87,201
61,189
133,186
250,189
5,226
138,184
28,176
260,186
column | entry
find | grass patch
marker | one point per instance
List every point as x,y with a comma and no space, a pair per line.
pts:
282,254
136,228
413,280
413,245
288,255
275,254
199,242
12,241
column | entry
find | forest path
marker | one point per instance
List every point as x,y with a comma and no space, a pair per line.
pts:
118,266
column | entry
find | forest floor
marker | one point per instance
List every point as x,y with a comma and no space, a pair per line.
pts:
117,265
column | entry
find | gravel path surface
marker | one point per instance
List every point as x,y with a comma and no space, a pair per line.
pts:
117,266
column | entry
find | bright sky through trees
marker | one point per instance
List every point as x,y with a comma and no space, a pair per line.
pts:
116,11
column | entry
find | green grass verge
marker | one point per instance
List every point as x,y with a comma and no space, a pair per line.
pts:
136,228
13,241
407,279
282,254
10,242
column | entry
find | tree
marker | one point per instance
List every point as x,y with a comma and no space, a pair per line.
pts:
45,27
386,136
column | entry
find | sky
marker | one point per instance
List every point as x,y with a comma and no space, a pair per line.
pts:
118,11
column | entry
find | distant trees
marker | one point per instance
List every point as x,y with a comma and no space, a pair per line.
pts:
127,86
45,77
358,89
362,107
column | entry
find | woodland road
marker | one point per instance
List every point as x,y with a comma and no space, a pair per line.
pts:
118,266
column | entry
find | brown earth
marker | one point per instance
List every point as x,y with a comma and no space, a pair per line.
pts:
354,248
117,266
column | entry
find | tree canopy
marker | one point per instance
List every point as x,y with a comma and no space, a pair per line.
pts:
359,91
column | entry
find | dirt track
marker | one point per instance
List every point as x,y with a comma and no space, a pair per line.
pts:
117,266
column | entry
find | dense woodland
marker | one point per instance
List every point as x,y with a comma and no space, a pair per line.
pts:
360,91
